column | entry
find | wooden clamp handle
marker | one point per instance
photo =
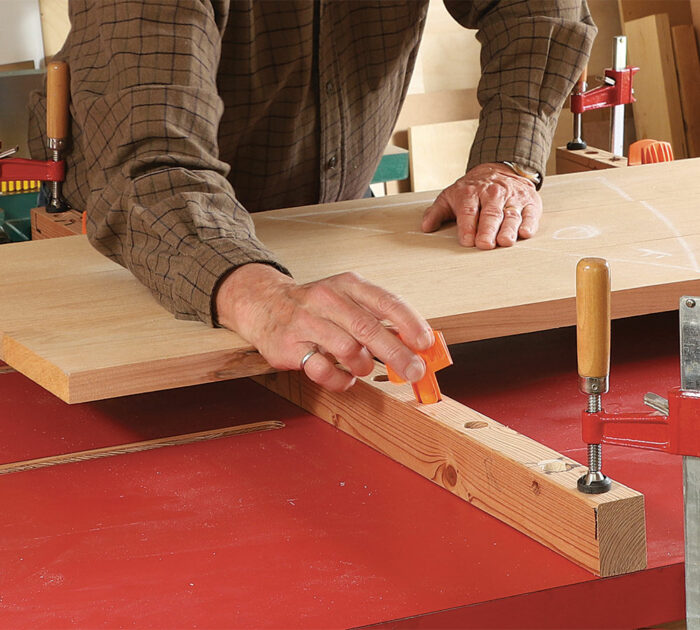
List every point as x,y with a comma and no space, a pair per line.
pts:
581,83
57,100
593,317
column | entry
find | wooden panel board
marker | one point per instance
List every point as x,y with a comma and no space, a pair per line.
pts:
678,11
685,47
508,475
439,153
85,329
657,112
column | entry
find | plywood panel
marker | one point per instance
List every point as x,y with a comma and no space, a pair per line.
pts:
508,475
85,329
678,11
657,112
439,153
688,65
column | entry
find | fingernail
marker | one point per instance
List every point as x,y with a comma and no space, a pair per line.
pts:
426,339
415,370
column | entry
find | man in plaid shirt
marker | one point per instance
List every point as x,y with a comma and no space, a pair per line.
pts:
189,114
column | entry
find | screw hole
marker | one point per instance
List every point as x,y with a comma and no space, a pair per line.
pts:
475,424
381,378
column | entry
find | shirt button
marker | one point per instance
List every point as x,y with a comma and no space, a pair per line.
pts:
332,162
329,87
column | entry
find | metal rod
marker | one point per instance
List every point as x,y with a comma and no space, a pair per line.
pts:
617,116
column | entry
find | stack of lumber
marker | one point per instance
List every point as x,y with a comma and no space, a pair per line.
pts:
662,42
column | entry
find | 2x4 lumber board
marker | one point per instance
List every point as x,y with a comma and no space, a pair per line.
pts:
657,111
439,153
515,479
85,329
685,47
54,225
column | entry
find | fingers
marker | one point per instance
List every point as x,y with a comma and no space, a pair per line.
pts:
360,308
342,316
532,213
323,370
492,206
437,214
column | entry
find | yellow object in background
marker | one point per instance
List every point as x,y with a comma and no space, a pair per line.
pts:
19,186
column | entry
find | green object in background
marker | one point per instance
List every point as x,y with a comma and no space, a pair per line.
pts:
393,165
15,212
18,230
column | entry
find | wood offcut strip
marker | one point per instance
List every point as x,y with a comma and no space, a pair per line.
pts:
137,447
515,479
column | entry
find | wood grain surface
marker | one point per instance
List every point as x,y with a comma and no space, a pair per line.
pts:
439,153
657,112
519,481
84,328
685,47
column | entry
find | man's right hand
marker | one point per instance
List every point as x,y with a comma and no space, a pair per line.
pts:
341,316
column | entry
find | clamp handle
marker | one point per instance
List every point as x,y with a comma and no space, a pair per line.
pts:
593,319
57,95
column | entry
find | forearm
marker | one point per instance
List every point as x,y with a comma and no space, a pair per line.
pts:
532,53
180,232
145,165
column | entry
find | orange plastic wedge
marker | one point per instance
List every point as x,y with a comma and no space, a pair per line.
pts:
436,358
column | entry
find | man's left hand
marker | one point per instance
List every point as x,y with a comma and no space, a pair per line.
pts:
492,205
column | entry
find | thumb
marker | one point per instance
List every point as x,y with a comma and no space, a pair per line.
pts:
437,214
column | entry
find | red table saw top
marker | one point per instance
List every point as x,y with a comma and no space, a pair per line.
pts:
306,527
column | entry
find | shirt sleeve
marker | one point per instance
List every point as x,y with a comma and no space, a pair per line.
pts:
145,115
532,53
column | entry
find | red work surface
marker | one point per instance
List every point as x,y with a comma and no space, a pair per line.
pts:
306,527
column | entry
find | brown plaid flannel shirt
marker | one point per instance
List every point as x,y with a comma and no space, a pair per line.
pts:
187,114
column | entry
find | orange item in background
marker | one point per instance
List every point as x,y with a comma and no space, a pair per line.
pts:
649,152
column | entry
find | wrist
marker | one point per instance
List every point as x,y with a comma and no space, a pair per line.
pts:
533,176
239,291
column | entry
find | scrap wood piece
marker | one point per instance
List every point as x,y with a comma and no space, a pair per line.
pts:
657,111
439,153
685,48
138,447
508,475
678,11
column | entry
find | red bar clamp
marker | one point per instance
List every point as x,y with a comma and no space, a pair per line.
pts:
677,432
21,169
619,93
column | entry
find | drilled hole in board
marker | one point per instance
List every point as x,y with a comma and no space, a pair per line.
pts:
475,424
381,378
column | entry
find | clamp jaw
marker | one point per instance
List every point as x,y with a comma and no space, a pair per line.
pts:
616,91
671,428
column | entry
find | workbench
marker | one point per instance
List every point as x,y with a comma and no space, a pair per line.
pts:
306,527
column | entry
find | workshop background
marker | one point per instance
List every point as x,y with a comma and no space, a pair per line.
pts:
441,109
439,115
